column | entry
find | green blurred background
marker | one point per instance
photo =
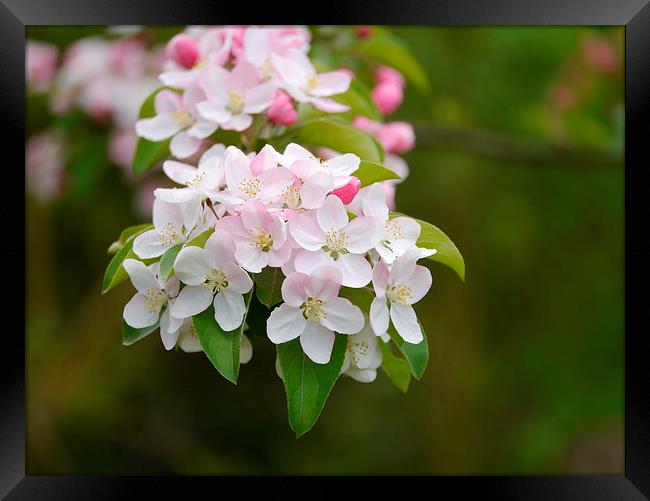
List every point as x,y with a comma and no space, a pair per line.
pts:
519,161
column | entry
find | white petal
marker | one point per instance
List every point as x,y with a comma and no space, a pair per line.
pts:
306,232
192,300
192,265
355,270
420,283
229,309
293,289
328,105
332,215
379,317
168,330
179,172
142,277
148,245
137,315
342,316
157,128
363,234
285,323
315,189
183,145
259,98
238,122
176,195
221,248
317,342
343,165
362,375
238,279
251,258
406,323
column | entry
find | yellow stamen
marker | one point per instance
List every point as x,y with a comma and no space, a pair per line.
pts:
250,187
235,102
313,309
153,300
399,293
217,280
261,239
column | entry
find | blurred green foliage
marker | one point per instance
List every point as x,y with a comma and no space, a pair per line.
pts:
526,367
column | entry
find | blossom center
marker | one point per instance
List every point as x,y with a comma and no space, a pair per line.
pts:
358,350
196,181
311,84
217,280
183,117
168,234
250,187
313,309
399,293
266,69
154,300
291,197
235,103
261,239
393,229
336,242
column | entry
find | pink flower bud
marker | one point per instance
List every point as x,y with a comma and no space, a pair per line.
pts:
347,192
183,50
397,137
364,31
282,111
385,74
387,96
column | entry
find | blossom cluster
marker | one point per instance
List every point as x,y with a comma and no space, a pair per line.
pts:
295,212
302,213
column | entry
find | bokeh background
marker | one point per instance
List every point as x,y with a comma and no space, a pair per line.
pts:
518,160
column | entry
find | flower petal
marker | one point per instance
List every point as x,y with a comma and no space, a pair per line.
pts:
148,245
137,315
229,309
379,316
179,172
220,248
169,331
420,283
183,145
259,98
192,300
355,270
328,105
332,215
192,265
317,342
306,232
406,323
245,350
363,234
238,279
293,289
331,83
342,316
157,128
285,323
143,278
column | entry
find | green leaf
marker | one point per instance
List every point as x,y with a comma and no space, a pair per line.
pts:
167,261
115,273
358,98
417,355
221,347
389,50
308,384
130,334
340,136
127,233
397,369
432,237
87,164
201,239
148,153
372,172
268,285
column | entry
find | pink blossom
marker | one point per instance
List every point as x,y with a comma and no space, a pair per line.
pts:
395,137
313,312
232,97
40,65
45,158
282,111
387,97
386,74
260,237
299,78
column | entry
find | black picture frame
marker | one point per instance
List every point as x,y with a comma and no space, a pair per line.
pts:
633,14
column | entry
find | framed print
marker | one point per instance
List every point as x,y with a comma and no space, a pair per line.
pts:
405,239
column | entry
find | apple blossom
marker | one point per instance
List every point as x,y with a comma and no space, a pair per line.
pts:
363,355
200,182
257,178
302,162
397,288
144,309
259,43
176,118
260,237
232,97
327,237
40,65
387,97
347,192
395,137
212,276
399,234
193,52
386,74
171,226
299,78
313,312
